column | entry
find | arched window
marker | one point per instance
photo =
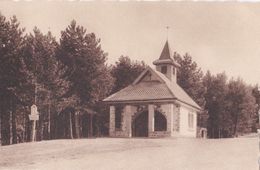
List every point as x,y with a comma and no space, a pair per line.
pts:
160,122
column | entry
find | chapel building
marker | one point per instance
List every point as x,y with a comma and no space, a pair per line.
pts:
154,105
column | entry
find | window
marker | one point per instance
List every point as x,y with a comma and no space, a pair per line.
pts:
191,120
118,117
164,69
173,70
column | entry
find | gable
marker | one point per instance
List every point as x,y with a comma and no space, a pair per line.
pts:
148,75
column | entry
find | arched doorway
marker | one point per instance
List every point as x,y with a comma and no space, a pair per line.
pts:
140,125
160,122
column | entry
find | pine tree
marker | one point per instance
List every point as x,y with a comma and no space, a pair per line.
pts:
11,76
215,103
241,106
49,85
125,72
81,53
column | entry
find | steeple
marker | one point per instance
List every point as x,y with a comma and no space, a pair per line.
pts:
166,53
166,64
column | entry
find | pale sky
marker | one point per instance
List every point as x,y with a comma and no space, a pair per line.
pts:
220,36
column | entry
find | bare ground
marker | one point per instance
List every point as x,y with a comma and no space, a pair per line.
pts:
117,153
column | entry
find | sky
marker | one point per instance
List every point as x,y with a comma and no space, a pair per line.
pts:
220,36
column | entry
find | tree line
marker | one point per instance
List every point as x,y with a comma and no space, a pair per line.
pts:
230,105
68,78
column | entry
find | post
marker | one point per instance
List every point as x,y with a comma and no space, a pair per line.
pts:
128,118
70,130
34,116
91,126
34,131
169,119
49,115
112,121
34,121
150,118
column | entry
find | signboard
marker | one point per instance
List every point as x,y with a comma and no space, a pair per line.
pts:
34,117
34,113
34,110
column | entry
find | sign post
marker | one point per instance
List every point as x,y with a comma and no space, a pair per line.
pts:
34,116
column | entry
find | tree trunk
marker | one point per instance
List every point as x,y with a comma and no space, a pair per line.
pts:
49,115
235,128
0,128
10,122
5,129
219,133
24,128
14,134
91,126
77,128
70,128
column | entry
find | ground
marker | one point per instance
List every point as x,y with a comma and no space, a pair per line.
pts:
118,153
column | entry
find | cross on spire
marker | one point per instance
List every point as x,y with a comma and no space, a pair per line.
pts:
167,28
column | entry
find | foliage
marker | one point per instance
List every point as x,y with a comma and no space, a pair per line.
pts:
11,76
81,53
125,72
240,105
68,80
189,77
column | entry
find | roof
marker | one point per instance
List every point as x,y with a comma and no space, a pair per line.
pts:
166,53
165,57
178,92
153,90
163,89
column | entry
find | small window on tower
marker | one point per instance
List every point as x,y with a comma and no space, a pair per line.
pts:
173,70
164,69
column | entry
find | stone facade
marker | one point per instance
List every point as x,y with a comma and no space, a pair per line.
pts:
131,112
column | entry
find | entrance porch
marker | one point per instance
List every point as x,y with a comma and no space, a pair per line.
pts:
150,120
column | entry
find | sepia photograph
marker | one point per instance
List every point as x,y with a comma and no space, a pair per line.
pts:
129,85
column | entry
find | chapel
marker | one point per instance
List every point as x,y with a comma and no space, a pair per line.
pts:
154,105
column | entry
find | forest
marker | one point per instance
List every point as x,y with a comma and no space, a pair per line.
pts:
67,79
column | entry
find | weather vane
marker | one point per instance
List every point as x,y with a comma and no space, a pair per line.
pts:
167,28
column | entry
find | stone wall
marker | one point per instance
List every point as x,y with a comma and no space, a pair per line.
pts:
172,114
157,134
170,111
112,121
126,121
176,119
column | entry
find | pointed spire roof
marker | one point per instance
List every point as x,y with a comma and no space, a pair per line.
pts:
166,53
165,57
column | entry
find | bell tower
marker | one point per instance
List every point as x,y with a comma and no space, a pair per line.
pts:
166,64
